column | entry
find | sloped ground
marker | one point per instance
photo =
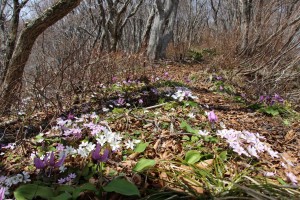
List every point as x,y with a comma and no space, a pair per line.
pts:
180,162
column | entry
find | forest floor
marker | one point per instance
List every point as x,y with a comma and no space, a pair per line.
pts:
161,142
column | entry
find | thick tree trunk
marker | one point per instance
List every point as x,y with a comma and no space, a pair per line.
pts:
246,7
12,84
162,29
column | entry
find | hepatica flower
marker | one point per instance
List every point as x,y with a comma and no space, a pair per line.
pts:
247,143
96,156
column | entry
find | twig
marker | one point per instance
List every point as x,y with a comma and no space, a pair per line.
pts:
155,106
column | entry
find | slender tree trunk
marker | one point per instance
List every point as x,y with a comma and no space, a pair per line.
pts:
11,87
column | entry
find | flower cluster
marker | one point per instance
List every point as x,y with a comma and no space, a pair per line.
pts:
183,93
68,179
271,100
245,142
7,182
48,162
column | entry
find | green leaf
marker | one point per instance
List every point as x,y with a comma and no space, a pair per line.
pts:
63,196
223,155
65,188
185,126
192,157
123,187
31,191
143,164
82,188
272,111
141,147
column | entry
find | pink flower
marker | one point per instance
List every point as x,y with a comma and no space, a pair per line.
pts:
212,117
2,193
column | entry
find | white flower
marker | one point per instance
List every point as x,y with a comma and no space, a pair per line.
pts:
62,169
222,125
129,144
101,140
191,115
203,133
110,136
252,151
69,150
115,145
136,141
26,177
104,109
269,174
83,144
292,177
83,152
90,146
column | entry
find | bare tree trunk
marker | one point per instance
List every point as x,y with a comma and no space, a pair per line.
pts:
246,7
11,87
162,29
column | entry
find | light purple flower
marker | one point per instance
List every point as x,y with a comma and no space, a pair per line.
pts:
71,116
96,154
212,117
120,101
60,147
141,101
2,193
61,181
72,176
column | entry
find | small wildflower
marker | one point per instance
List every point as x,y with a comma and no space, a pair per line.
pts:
2,193
203,133
269,174
212,117
129,144
96,154
292,178
191,115
72,176
61,180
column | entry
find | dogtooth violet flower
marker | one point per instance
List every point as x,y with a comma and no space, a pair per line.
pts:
96,154
41,164
212,117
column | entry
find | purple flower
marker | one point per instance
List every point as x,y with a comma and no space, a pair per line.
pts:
261,98
61,181
221,88
72,176
212,117
154,90
38,163
121,101
2,193
41,164
219,78
96,154
60,147
278,98
114,79
141,101
71,116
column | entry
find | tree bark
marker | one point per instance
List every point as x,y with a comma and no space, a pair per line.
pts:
162,29
12,84
246,7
